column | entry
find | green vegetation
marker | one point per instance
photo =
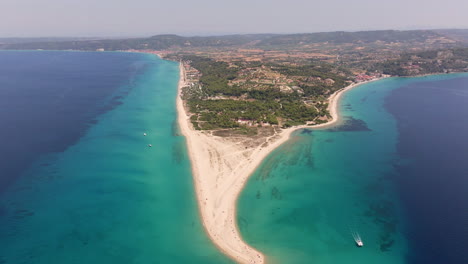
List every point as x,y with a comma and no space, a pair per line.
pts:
158,42
457,34
216,75
350,37
221,105
244,81
275,41
427,62
226,113
323,71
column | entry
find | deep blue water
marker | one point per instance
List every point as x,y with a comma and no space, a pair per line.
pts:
305,201
79,185
432,181
83,185
395,171
49,99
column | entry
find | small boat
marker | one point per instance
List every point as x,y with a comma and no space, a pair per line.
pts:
357,239
144,134
149,145
359,243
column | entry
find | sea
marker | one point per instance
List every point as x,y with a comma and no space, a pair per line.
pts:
79,182
394,172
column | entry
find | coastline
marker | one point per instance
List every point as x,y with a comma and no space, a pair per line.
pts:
221,168
333,105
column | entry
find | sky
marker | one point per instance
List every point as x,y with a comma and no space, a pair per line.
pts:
127,18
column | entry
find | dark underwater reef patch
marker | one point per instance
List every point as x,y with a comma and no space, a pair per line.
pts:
383,214
350,124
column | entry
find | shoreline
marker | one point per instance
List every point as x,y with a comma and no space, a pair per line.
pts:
221,168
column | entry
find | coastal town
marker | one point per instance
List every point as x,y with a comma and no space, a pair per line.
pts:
253,83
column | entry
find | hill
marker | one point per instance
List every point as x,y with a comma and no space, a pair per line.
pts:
271,41
341,37
456,34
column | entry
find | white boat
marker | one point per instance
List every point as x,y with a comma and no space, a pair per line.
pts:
357,239
359,243
149,145
144,134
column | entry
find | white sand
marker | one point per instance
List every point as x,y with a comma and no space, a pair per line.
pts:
221,167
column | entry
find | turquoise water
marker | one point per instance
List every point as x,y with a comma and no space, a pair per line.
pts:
110,198
101,195
307,197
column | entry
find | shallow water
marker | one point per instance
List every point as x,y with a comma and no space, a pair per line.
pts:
79,183
109,198
305,200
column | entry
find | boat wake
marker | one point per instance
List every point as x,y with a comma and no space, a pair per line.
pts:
357,238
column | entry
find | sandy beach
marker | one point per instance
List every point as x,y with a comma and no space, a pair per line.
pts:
221,167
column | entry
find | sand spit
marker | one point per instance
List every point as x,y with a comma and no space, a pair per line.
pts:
221,167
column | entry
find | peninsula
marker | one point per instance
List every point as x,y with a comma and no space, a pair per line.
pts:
236,107
222,165
241,96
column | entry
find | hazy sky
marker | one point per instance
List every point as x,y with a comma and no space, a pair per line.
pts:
25,18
